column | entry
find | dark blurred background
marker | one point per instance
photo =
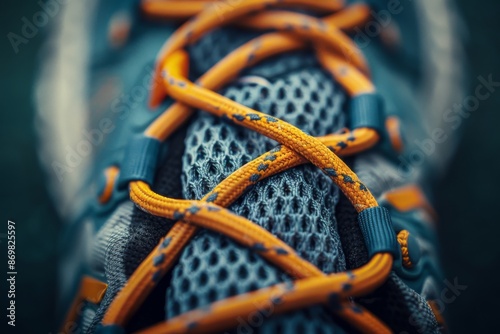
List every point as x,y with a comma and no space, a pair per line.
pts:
465,199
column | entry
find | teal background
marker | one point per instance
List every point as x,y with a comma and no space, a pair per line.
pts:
466,197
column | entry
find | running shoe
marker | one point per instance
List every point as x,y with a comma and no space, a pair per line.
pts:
249,166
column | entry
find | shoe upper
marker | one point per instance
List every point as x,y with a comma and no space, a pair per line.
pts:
299,206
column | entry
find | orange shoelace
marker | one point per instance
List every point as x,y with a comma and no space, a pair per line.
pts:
342,59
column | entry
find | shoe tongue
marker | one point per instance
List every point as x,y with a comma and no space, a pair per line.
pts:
298,206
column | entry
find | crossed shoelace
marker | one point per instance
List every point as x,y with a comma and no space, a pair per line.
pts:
343,60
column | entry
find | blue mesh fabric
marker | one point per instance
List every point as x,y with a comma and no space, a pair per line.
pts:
401,308
298,206
107,258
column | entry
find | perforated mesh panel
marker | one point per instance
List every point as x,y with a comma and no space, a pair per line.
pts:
401,308
109,247
115,228
223,270
298,206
